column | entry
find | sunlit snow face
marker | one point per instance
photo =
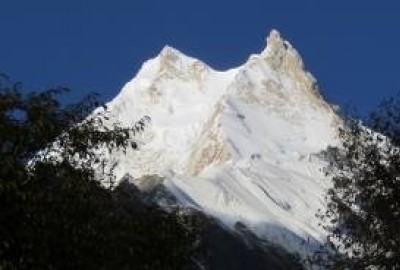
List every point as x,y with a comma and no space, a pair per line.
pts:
240,144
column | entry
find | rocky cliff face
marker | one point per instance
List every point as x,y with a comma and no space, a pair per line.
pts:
240,145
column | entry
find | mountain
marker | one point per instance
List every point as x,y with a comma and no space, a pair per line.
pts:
242,145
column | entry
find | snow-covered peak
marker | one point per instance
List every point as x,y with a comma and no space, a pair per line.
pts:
275,41
167,49
171,54
274,33
284,58
174,64
278,47
241,145
173,60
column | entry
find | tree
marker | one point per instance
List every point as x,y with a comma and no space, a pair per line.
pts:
55,211
363,213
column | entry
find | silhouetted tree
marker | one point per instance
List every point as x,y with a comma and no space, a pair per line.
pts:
363,213
54,211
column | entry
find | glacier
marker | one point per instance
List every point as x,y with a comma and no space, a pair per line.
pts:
242,145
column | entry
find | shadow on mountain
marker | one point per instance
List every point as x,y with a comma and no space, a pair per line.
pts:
224,248
241,249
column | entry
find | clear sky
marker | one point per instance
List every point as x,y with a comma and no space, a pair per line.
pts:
352,47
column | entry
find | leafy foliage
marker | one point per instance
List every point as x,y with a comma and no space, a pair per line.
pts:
364,202
54,211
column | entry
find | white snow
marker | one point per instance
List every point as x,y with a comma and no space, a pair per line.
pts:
238,144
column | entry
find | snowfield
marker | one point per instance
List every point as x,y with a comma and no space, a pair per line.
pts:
241,145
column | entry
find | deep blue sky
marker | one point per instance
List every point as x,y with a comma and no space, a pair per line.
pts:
352,47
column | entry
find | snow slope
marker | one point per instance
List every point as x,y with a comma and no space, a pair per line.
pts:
241,145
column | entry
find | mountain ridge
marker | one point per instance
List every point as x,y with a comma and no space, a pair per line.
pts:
240,145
